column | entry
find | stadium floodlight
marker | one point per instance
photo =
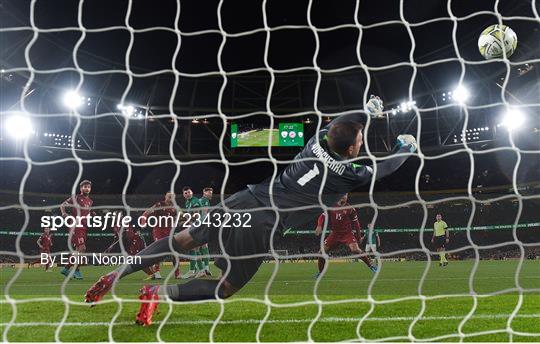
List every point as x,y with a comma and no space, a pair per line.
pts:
19,126
127,110
72,99
513,119
460,94
406,106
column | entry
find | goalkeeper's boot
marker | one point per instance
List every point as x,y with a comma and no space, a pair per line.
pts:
149,297
100,288
200,274
374,268
65,272
77,275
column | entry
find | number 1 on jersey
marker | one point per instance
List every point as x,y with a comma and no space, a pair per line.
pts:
308,176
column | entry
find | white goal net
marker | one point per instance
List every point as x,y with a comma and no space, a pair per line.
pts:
421,59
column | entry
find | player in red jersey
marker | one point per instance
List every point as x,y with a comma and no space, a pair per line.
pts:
342,223
165,212
132,240
45,243
80,206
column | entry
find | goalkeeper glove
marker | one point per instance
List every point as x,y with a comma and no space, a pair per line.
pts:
375,105
407,141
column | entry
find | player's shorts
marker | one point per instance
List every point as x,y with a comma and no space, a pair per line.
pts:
160,233
440,241
336,238
45,250
371,248
240,241
78,237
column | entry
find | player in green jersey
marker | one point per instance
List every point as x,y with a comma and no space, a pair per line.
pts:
192,204
204,202
371,238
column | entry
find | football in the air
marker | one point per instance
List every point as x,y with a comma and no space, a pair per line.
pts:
495,40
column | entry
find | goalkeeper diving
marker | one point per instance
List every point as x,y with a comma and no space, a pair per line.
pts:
327,168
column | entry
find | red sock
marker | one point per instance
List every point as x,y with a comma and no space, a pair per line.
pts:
177,272
156,268
321,262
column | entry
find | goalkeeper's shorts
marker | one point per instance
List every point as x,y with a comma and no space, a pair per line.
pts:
239,242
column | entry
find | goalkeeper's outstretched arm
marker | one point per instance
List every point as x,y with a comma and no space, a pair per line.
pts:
374,107
406,144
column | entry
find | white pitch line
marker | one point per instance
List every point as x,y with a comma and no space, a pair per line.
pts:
278,321
77,283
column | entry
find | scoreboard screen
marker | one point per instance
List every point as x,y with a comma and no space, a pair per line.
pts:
250,135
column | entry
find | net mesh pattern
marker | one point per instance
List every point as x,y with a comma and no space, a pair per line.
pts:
267,301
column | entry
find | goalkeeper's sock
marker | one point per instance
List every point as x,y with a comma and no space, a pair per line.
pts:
194,290
444,260
206,257
321,262
192,260
153,250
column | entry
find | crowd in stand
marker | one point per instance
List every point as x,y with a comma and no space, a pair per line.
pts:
458,213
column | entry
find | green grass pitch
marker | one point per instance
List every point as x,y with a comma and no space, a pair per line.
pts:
258,138
291,308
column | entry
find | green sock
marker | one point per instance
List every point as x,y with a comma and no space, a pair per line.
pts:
193,260
199,260
206,259
441,256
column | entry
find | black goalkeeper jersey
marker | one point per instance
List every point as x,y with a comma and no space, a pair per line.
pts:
301,183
